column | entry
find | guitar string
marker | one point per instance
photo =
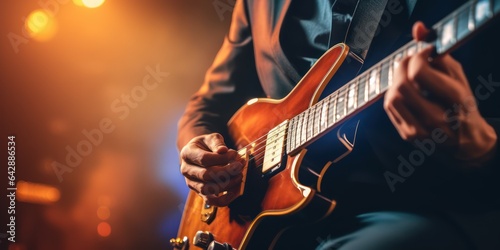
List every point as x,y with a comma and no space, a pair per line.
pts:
258,142
334,116
341,91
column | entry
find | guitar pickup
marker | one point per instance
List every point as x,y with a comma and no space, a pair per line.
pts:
275,143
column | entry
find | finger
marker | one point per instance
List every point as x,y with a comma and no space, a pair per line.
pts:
447,89
213,173
194,153
214,188
444,62
408,127
394,103
215,142
429,114
448,65
420,32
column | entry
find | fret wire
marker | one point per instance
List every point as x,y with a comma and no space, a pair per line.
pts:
349,99
455,27
309,125
317,109
344,105
287,139
303,136
463,23
336,107
333,104
292,133
324,114
367,87
299,132
371,84
317,118
472,23
384,72
361,91
330,107
356,86
321,120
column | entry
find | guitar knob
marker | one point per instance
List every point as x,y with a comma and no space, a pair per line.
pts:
218,246
180,243
203,239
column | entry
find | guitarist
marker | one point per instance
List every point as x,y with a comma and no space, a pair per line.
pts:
450,200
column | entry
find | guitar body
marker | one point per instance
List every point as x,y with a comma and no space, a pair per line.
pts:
272,201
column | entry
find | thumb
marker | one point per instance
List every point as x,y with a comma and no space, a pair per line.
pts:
215,142
420,32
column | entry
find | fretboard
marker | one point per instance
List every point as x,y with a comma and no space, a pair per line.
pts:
372,84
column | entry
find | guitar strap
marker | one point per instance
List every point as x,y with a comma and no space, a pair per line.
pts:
365,17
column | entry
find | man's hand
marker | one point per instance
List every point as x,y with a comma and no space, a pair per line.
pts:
428,95
211,169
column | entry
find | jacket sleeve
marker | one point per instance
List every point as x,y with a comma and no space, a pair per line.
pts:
229,83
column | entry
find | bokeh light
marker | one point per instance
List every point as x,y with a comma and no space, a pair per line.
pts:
104,229
40,25
103,213
92,3
36,193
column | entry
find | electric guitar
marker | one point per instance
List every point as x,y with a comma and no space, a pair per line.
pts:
276,137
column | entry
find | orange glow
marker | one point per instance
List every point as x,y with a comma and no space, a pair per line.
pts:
104,200
36,193
78,2
104,229
40,26
103,213
17,246
92,3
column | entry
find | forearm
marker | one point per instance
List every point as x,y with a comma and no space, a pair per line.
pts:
198,120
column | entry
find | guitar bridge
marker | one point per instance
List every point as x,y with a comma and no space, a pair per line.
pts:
208,213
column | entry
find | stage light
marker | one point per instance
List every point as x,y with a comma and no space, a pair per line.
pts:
36,193
104,229
40,25
92,3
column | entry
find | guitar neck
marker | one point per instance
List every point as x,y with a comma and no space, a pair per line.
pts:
357,94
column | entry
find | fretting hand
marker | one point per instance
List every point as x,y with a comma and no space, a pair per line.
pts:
448,105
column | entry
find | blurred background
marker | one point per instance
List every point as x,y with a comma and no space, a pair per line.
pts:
92,91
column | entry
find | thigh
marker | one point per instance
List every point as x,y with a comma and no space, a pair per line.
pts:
397,230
